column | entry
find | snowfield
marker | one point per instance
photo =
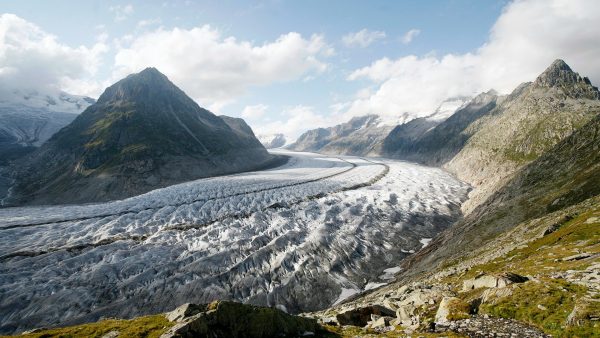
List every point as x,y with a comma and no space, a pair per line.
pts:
300,237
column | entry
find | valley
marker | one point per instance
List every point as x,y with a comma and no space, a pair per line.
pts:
339,169
318,222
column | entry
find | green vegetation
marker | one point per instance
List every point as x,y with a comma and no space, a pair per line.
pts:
354,331
545,304
142,327
458,309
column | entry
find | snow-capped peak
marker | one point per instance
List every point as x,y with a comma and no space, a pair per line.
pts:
53,101
272,140
448,107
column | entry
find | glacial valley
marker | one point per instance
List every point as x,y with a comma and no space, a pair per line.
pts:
337,224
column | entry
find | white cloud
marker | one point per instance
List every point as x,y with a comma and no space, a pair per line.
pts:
215,70
33,59
254,112
362,38
525,39
121,12
296,121
410,35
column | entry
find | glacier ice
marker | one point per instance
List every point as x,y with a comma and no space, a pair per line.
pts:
301,237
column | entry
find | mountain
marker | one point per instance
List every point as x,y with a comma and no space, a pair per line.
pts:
434,142
530,121
271,141
366,135
525,259
242,129
142,133
29,118
359,136
448,107
488,140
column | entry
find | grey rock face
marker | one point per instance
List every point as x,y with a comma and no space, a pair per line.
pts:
560,75
432,142
229,319
360,136
492,281
143,133
525,125
361,316
487,141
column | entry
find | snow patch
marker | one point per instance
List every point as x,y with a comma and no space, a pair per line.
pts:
345,294
373,285
389,273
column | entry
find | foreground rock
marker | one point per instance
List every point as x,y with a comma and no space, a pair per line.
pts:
362,316
452,308
493,281
229,319
481,327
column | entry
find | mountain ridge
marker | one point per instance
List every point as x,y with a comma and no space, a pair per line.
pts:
142,133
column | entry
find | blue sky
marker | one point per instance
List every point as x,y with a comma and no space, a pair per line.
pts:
332,74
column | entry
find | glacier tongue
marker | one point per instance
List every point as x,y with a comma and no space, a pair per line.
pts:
301,237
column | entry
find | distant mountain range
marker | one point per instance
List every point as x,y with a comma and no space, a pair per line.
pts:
271,141
29,118
142,133
366,135
482,140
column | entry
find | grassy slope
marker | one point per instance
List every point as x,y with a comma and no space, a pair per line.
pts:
147,327
541,257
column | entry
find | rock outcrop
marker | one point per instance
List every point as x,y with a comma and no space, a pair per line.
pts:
363,315
493,281
450,309
228,319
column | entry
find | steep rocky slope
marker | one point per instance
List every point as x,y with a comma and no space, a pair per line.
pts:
533,119
530,253
435,142
370,134
486,142
143,133
359,136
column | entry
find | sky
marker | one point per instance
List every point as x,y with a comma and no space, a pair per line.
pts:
288,66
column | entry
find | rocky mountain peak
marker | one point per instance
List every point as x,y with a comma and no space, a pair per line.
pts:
147,84
560,75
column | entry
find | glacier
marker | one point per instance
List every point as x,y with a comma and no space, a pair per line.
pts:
300,237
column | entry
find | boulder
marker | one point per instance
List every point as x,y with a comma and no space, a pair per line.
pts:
493,281
405,313
111,334
381,322
230,319
450,309
420,297
361,316
490,296
184,311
